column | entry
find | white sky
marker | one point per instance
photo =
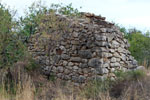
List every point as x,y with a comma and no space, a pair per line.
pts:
128,13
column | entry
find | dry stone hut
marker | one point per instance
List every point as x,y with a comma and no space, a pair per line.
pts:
94,48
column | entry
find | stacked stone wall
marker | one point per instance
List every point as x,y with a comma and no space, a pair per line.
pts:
93,49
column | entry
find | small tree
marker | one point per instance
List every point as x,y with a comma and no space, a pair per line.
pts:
11,49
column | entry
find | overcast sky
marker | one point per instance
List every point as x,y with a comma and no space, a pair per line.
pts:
128,13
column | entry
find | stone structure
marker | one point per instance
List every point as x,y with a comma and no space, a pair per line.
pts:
94,49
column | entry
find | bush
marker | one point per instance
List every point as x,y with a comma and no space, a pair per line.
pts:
11,49
129,75
139,44
95,87
34,17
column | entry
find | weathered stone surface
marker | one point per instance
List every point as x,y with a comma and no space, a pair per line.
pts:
103,44
100,38
70,64
94,62
106,65
121,50
89,47
105,54
65,57
60,69
85,54
66,71
75,42
112,50
104,30
65,63
75,59
75,67
114,64
101,71
75,34
85,65
115,44
113,59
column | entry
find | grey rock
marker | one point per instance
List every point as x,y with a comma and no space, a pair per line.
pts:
104,30
74,42
110,30
75,67
113,59
114,64
66,77
110,38
123,57
85,65
75,59
65,57
60,69
116,55
118,59
86,70
54,69
100,38
140,68
70,64
94,62
112,50
59,75
121,50
135,62
112,70
85,54
106,65
66,71
56,58
103,44
115,44
65,63
75,34
107,55
101,71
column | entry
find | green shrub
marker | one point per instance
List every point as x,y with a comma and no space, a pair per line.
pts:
34,17
11,49
129,75
139,45
95,87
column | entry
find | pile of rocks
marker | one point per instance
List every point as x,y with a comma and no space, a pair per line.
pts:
95,48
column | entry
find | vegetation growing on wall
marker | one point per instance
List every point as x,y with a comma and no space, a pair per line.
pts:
13,50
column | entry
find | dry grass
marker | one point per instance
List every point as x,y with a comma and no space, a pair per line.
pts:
38,88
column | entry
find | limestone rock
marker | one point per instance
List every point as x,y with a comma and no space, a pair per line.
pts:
75,59
94,62
85,54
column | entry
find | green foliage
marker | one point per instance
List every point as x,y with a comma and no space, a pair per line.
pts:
34,17
11,49
130,75
139,44
52,77
32,65
140,47
95,87
65,10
